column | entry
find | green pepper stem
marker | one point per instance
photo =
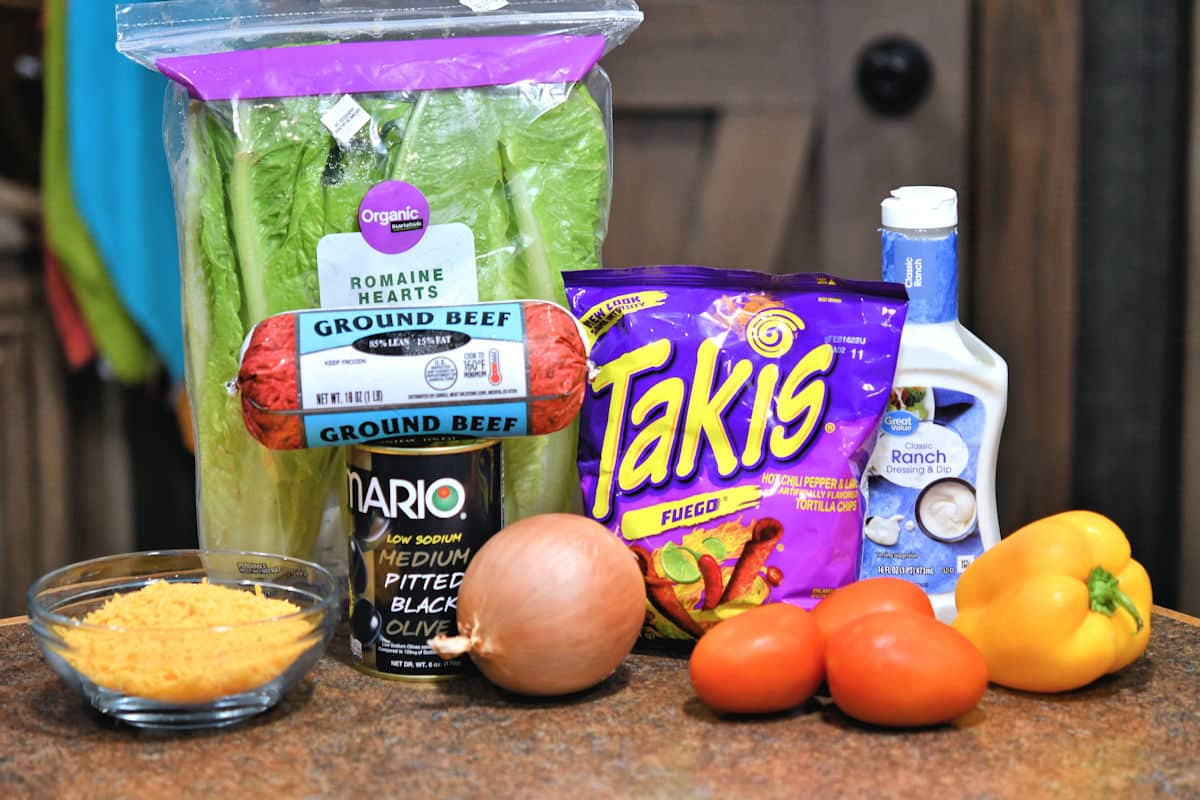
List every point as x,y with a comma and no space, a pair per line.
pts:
1105,595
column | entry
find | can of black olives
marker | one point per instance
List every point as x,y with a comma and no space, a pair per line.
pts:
420,514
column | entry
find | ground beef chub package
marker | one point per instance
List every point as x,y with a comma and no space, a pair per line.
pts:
353,154
440,373
729,420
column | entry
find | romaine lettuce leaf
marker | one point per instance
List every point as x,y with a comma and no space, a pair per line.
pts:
276,201
249,251
354,169
555,154
450,151
554,151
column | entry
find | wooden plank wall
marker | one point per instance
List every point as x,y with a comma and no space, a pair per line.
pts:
1132,264
1079,131
741,139
1189,511
863,155
1026,172
715,105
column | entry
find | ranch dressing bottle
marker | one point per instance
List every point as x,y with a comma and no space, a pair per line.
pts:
930,483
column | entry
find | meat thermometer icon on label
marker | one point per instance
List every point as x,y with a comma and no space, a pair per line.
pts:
494,364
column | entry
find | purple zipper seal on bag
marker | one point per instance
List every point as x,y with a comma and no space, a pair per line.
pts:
391,66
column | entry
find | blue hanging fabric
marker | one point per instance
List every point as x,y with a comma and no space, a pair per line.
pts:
119,174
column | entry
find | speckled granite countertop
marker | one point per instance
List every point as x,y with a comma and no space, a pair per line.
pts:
641,734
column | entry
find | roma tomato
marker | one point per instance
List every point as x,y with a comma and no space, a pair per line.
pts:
770,658
867,596
903,669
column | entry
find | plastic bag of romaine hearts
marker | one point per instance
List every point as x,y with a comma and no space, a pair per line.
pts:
365,153
728,423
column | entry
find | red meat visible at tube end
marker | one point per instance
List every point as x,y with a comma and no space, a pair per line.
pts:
557,367
267,380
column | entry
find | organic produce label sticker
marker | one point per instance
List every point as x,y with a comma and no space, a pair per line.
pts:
393,216
397,258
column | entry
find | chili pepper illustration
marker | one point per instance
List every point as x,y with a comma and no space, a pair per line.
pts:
765,535
774,576
662,594
714,583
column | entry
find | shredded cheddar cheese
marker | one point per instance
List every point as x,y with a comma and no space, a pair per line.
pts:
186,642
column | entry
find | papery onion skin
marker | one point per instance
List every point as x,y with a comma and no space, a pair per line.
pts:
550,605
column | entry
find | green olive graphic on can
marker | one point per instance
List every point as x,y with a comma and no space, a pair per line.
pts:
420,514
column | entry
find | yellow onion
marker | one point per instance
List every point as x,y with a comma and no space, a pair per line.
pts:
549,605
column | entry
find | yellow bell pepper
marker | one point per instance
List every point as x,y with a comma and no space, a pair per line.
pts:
1057,604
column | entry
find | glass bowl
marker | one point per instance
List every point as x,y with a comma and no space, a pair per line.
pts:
183,676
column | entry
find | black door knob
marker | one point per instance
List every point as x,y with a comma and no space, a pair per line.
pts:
894,75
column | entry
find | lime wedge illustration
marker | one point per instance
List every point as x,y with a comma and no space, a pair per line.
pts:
716,547
679,565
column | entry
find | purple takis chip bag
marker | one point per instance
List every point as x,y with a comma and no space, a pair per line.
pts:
730,417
